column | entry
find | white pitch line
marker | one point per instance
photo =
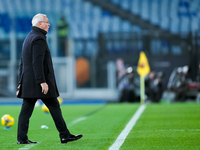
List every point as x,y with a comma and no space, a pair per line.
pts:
173,130
77,121
121,138
28,146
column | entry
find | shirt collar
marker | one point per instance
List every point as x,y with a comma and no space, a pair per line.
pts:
39,29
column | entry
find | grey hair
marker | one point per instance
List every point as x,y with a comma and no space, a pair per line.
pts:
37,18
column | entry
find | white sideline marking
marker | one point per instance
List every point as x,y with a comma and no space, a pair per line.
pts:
173,130
70,124
121,138
77,120
28,146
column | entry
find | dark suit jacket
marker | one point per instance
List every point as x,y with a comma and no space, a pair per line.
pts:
36,67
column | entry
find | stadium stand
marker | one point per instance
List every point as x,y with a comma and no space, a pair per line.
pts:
182,17
77,11
88,18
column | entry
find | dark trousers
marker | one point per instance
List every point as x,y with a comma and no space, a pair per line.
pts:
27,110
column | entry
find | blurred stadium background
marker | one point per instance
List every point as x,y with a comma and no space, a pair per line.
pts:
101,31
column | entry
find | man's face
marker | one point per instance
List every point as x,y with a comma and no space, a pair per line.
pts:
45,24
151,75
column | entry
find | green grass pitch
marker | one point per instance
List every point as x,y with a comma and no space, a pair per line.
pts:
160,127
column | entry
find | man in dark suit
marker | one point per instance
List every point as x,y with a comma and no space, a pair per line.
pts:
37,81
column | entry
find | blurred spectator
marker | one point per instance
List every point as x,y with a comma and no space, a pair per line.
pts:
121,71
198,73
63,29
178,83
153,86
182,82
125,78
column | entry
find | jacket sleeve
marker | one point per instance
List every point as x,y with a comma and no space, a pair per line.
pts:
20,71
38,53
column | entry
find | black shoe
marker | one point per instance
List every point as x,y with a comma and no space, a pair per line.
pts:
26,142
71,138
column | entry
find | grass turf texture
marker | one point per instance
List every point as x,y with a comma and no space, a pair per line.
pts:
161,126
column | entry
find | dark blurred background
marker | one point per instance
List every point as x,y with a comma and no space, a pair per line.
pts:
86,38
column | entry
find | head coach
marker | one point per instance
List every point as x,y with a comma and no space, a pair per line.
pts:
37,81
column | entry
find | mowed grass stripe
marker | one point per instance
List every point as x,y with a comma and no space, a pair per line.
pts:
86,116
117,117
173,126
39,118
121,138
100,129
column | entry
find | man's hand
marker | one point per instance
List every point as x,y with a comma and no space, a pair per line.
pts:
45,88
18,89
